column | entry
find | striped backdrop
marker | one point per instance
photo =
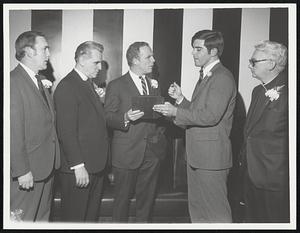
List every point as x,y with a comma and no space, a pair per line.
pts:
168,31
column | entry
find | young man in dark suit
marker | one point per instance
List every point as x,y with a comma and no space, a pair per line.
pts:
33,143
82,134
138,145
208,120
266,153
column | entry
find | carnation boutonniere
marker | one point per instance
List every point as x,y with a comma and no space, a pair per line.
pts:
209,74
154,83
273,93
46,83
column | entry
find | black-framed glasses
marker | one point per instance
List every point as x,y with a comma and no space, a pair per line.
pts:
254,61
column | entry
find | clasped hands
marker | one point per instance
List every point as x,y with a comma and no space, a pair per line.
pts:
168,109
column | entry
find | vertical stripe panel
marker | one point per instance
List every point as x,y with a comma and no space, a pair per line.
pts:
49,22
279,25
167,42
228,22
108,30
193,21
255,27
138,26
19,22
77,27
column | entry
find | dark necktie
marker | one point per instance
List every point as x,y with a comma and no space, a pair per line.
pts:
200,75
143,85
41,89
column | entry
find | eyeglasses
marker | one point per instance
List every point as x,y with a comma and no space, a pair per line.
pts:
253,61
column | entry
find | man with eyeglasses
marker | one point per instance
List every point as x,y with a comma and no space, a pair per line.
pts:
265,154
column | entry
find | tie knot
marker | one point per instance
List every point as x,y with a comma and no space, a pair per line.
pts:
201,72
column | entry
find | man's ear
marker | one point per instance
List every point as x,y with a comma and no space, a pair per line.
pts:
29,52
272,65
82,60
135,61
214,52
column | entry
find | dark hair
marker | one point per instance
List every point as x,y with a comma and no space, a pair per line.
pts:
104,65
86,47
212,39
26,39
134,51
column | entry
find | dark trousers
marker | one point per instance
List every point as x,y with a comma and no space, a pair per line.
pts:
141,181
34,203
80,204
265,206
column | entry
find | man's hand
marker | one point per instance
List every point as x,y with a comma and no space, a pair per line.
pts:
175,92
82,177
166,109
26,181
133,115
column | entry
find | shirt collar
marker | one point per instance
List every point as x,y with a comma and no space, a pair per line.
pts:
28,70
82,75
207,69
135,76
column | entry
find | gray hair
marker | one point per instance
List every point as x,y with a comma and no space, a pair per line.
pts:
86,47
277,52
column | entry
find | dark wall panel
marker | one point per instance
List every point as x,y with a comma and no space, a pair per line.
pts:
167,46
228,21
279,25
108,30
49,22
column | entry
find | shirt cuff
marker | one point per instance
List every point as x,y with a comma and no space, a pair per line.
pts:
178,101
77,166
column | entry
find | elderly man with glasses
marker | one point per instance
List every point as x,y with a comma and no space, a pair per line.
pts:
265,154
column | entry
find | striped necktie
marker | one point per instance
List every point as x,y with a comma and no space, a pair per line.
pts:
200,75
144,87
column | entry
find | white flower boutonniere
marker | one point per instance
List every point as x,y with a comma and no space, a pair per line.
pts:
209,74
154,83
46,83
273,93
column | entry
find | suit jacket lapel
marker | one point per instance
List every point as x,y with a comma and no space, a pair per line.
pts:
131,85
152,90
262,101
34,88
203,83
88,92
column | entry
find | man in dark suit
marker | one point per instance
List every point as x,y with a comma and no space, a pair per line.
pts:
82,134
208,120
33,143
138,145
265,154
